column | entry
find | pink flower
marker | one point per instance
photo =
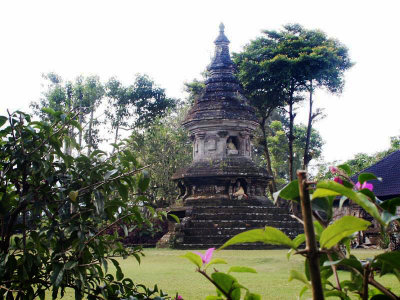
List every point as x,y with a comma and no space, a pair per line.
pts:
365,185
333,169
179,297
338,180
207,256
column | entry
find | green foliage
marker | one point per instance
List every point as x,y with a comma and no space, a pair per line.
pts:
281,67
84,96
344,227
57,212
137,105
165,147
277,130
227,286
268,235
194,258
333,236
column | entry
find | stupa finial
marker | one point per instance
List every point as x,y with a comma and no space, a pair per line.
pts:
221,37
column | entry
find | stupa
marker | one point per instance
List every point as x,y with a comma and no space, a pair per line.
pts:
223,190
221,124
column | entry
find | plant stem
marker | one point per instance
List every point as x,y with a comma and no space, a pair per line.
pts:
365,283
382,289
311,244
334,269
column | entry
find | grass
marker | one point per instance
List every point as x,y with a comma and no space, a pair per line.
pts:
173,274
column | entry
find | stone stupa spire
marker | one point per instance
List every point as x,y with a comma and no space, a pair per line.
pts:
223,190
222,58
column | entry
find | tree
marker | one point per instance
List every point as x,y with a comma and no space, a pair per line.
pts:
279,67
277,141
85,95
93,92
137,105
55,211
165,147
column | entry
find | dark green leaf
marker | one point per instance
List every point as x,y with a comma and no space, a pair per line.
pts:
57,275
338,294
70,265
119,275
123,191
318,229
144,180
73,195
363,177
269,235
345,168
225,281
3,120
216,261
109,174
299,276
358,198
194,258
251,296
97,152
289,192
49,111
75,124
298,240
175,218
392,258
391,204
340,229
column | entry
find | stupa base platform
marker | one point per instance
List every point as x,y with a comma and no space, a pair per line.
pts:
207,226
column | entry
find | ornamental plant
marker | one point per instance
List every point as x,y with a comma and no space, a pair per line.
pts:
226,284
56,211
328,241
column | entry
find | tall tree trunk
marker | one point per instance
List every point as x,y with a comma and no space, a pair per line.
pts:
306,158
291,136
80,123
272,185
115,138
90,140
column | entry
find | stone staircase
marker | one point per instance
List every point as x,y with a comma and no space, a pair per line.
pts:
206,226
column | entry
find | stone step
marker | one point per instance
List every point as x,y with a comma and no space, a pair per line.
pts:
226,202
241,216
239,209
227,230
220,239
241,223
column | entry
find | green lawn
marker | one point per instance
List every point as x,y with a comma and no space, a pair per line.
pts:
174,274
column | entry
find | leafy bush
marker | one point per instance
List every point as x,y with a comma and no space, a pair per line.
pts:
327,241
55,210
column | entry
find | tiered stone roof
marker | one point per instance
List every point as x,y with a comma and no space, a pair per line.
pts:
222,97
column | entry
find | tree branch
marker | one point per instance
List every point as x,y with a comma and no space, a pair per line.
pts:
98,184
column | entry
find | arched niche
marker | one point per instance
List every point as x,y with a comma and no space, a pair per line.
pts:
232,145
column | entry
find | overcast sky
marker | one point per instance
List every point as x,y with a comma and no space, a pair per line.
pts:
172,41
